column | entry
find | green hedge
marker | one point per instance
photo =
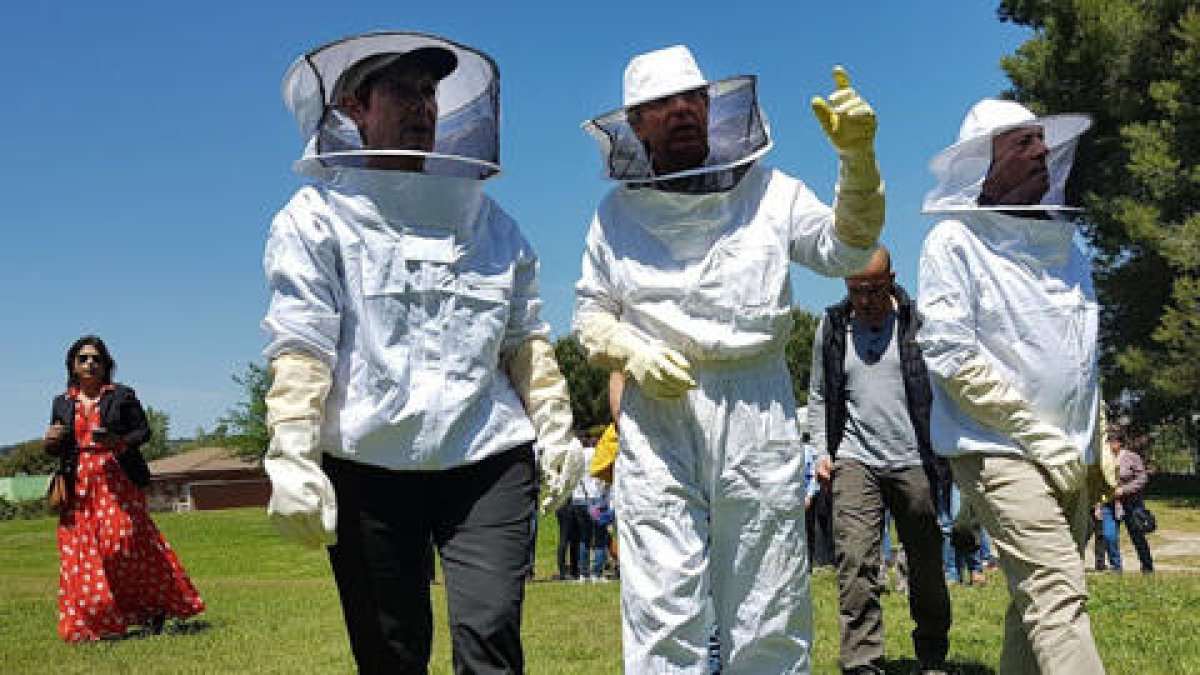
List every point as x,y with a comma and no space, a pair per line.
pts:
23,510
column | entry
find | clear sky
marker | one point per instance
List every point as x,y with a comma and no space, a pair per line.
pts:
147,149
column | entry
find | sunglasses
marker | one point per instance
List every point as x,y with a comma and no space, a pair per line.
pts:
84,358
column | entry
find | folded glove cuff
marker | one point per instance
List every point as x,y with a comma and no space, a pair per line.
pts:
534,373
299,385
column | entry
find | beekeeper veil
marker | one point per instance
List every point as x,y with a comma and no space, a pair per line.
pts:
960,169
737,131
466,142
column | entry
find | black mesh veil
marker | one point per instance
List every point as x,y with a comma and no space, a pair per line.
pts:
738,134
467,135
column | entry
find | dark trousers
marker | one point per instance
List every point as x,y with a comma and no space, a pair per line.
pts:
818,524
860,495
568,542
478,517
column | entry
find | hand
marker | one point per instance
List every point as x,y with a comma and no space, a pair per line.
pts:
662,372
1097,515
104,438
847,119
55,433
562,469
303,506
824,471
1066,478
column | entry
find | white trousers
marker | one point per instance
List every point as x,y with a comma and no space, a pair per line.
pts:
710,504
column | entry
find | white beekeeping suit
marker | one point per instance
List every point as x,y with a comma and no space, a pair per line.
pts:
404,328
1009,334
686,287
1009,299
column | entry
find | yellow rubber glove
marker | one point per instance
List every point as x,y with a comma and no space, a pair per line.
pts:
982,394
660,371
534,373
850,124
303,506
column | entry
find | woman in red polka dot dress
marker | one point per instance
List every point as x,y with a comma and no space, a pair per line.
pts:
116,568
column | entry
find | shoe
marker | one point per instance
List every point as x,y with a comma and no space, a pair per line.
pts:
978,579
157,622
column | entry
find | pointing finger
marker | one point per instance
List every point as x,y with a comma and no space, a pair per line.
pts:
840,78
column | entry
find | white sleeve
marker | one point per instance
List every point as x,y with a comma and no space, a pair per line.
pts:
303,269
595,295
524,316
945,300
816,394
812,241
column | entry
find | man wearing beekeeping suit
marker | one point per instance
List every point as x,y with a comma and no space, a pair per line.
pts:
1009,336
686,288
410,369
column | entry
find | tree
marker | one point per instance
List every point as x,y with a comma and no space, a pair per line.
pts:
587,384
29,458
799,351
1134,65
160,429
244,426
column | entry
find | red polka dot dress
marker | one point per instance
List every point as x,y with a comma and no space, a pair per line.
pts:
116,568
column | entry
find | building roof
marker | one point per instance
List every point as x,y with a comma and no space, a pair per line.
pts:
201,459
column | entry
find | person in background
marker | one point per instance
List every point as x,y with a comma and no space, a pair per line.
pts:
593,552
868,407
1131,483
116,569
569,541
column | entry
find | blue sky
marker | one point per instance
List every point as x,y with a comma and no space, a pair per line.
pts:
148,148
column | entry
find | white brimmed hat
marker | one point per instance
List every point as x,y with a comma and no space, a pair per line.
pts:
738,132
961,168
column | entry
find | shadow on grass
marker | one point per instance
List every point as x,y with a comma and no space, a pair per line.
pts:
908,666
179,627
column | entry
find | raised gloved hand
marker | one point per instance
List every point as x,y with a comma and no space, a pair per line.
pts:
847,119
303,506
850,124
539,383
562,469
660,371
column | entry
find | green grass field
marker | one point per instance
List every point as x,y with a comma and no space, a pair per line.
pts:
273,608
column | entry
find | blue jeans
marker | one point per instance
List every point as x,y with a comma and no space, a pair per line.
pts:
958,565
1110,533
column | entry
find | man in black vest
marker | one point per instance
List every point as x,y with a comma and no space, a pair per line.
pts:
868,405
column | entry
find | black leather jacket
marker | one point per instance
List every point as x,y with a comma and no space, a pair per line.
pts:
120,413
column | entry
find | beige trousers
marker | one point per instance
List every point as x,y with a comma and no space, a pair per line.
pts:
1040,536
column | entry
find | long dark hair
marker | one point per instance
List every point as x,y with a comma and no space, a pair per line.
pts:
110,366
